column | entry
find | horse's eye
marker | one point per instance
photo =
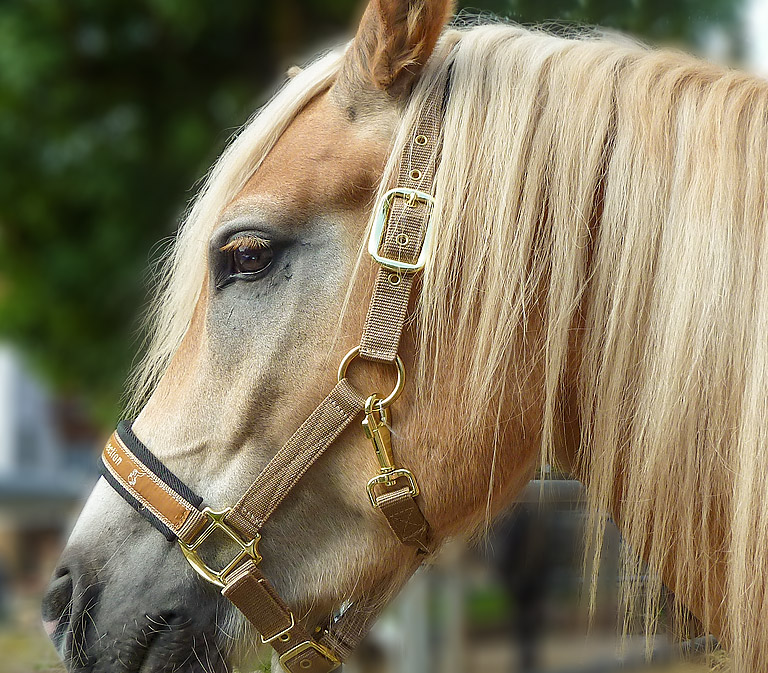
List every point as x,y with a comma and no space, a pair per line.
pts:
247,259
248,256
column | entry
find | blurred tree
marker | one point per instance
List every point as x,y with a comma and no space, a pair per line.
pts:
687,22
109,112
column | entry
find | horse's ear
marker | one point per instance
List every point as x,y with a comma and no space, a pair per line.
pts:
393,43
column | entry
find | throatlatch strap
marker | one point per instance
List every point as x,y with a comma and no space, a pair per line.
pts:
298,454
150,487
353,626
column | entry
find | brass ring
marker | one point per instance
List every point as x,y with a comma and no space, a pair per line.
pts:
399,385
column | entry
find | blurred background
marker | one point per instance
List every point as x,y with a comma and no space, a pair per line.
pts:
110,112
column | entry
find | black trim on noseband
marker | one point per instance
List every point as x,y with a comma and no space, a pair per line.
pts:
161,471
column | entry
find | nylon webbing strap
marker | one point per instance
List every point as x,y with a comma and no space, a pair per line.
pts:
404,234
255,597
150,487
298,454
403,238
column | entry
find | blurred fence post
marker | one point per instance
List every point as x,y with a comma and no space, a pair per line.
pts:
451,642
415,620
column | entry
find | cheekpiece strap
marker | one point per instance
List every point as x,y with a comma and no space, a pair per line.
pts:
297,455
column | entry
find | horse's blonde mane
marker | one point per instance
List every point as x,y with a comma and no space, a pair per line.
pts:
615,196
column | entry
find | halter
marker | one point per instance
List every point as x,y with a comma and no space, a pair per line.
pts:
399,242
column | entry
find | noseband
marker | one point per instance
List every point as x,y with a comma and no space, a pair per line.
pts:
399,242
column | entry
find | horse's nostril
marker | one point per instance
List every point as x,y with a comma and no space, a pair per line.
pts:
58,595
57,603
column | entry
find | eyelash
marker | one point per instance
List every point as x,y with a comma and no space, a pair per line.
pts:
250,241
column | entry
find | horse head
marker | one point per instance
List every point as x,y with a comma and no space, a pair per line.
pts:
267,292
593,293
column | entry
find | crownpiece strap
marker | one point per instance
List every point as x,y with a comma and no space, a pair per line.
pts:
405,233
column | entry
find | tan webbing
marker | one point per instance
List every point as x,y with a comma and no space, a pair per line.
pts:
404,235
247,588
403,239
255,597
298,454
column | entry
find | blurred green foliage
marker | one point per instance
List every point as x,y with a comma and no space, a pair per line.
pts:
111,110
683,22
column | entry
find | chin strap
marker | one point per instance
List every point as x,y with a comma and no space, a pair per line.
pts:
399,242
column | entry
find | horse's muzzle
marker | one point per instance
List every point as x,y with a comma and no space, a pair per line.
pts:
87,621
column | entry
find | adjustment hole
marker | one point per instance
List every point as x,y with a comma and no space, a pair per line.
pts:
415,174
285,638
394,279
402,240
421,139
305,663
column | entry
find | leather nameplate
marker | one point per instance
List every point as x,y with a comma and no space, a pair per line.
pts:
142,484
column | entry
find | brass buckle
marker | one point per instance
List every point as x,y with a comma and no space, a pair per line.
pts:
248,550
389,478
306,646
380,222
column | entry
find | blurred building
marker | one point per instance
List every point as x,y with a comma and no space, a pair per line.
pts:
755,27
47,467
